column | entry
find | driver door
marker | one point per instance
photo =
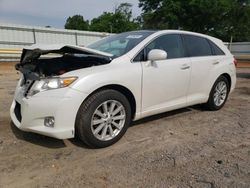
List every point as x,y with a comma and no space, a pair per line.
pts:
165,82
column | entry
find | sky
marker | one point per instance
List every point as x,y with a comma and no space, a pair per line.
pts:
55,12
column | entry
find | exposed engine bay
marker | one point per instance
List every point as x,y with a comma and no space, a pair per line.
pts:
40,63
60,65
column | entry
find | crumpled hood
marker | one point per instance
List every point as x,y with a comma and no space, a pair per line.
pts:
38,49
33,68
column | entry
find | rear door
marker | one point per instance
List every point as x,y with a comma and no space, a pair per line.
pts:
203,66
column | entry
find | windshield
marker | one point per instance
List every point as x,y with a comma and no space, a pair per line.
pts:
120,44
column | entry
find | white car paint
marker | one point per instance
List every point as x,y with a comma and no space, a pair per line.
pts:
157,87
173,79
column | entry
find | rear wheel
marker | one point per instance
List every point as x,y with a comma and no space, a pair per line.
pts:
103,118
218,94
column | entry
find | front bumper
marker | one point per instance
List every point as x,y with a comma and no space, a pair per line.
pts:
28,114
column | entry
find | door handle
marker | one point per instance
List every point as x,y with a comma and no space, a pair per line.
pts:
185,66
216,62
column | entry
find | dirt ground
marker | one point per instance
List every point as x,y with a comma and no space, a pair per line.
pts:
184,148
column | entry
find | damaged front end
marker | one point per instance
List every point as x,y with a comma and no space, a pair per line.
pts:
42,66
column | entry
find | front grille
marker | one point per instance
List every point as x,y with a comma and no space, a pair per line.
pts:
17,112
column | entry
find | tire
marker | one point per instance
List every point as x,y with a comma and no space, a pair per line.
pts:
216,103
92,122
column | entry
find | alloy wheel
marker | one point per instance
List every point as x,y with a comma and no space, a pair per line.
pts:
108,120
220,93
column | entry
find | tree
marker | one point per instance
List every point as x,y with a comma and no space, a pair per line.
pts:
103,23
117,22
238,22
76,22
221,18
125,10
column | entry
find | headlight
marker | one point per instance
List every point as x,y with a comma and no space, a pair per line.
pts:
50,83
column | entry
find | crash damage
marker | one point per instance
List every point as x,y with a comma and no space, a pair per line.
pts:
41,61
42,65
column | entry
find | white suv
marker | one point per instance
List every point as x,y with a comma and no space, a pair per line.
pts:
94,92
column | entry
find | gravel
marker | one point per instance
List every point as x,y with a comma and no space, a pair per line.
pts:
189,147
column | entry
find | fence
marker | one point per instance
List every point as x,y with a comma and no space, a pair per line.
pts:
14,37
239,48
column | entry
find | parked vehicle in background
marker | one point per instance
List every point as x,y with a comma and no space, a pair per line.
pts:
94,92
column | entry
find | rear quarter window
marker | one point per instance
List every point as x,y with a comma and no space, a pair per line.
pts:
197,46
216,50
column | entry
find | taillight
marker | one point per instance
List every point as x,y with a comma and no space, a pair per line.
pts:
235,62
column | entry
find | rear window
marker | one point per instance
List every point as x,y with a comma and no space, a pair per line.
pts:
197,46
216,50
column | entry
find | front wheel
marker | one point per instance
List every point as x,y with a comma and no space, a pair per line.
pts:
218,94
103,118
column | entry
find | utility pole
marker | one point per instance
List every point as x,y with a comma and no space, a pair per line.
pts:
111,28
231,41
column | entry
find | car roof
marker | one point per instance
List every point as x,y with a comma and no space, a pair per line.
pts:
188,33
175,31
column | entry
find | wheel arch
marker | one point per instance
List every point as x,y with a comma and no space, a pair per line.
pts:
122,89
228,77
210,103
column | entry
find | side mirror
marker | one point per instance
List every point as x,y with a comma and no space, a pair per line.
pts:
156,55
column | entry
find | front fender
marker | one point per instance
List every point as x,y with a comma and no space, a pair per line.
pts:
128,75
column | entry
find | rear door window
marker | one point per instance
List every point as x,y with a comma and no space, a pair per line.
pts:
197,46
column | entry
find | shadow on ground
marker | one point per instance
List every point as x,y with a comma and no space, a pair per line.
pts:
56,143
36,138
167,114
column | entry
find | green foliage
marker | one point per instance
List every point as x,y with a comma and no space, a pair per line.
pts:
117,22
114,22
103,23
76,22
221,18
